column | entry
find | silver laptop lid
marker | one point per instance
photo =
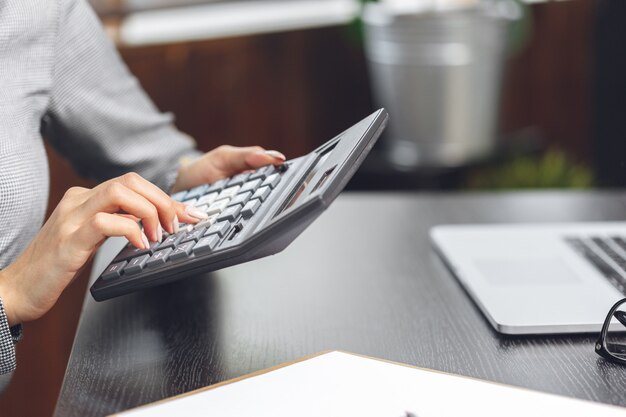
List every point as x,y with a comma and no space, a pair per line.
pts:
529,278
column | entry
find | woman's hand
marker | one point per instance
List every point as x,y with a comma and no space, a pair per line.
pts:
224,161
84,218
30,286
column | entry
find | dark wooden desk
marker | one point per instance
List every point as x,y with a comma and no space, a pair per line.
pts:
364,279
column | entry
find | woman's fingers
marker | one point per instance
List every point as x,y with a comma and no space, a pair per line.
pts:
168,210
224,161
140,199
113,197
232,160
258,159
102,225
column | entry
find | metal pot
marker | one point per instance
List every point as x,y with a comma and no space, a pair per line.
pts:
438,73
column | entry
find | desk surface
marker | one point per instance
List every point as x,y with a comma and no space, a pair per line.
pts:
363,278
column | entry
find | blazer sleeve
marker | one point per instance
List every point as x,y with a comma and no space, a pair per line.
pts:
9,336
99,117
7,349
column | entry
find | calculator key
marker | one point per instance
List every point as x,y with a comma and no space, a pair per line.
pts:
258,174
114,270
228,193
207,199
269,170
238,179
206,222
240,199
136,265
191,202
159,257
262,193
272,181
172,241
217,186
230,214
194,235
250,186
217,207
130,252
182,251
179,196
197,191
184,227
219,229
250,208
206,244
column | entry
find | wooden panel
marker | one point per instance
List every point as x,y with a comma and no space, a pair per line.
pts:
288,91
548,84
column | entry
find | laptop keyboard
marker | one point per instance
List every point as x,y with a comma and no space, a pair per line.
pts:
229,203
607,254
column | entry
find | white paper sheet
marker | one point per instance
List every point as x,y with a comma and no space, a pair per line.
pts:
340,384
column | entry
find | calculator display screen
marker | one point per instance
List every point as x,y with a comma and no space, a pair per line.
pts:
304,185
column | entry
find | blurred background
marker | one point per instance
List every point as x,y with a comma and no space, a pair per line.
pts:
482,95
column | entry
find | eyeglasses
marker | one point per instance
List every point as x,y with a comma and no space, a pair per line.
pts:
611,345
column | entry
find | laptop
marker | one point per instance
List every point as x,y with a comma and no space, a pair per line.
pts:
538,278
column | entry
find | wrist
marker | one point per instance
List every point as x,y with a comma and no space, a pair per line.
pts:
8,297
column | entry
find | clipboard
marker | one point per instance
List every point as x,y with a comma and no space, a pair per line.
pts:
335,383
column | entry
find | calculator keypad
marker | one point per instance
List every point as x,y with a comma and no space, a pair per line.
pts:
114,270
182,251
136,265
271,181
131,252
262,193
250,208
159,258
219,228
240,199
225,202
206,244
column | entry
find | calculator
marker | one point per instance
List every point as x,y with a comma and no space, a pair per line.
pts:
251,215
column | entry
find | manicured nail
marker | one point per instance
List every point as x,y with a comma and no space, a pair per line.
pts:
175,224
275,154
194,212
159,233
144,239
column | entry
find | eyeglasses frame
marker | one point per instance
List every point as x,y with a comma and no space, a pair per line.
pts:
601,344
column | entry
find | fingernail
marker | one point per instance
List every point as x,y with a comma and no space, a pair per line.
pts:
175,224
275,154
159,233
194,212
144,238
